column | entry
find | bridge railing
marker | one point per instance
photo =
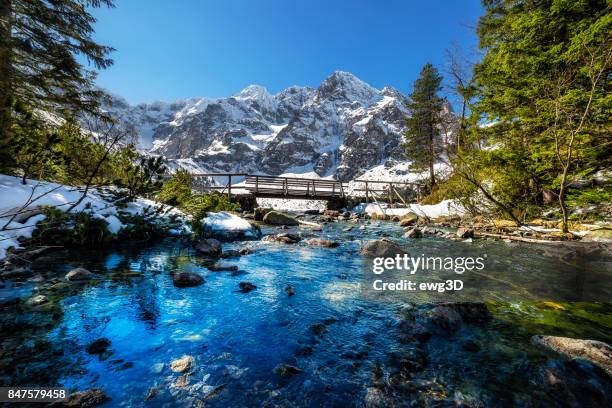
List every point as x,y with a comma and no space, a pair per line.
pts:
273,186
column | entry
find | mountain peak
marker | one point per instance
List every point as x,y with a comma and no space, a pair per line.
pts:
253,92
344,85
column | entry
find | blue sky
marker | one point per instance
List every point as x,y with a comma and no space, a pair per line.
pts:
168,50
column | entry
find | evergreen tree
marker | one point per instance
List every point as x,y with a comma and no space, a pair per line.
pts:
423,135
545,89
40,42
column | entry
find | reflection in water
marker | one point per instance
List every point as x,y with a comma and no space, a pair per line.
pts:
342,339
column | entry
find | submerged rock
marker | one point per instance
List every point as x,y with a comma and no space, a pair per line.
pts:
83,399
231,253
37,300
246,287
593,351
473,312
98,346
180,365
79,274
209,247
286,370
375,398
187,279
381,248
323,243
289,290
278,218
222,267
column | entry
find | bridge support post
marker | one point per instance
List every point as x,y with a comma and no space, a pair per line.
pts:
366,188
229,188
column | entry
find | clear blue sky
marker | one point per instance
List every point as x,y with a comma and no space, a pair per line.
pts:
168,50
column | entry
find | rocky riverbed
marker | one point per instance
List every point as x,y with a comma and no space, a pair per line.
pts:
288,320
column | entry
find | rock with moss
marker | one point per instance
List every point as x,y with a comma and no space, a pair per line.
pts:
278,218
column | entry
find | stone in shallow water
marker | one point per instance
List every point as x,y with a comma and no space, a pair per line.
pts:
222,267
289,290
84,399
246,287
413,233
180,365
595,352
465,232
37,300
98,346
286,238
187,279
209,247
326,243
79,274
381,248
278,218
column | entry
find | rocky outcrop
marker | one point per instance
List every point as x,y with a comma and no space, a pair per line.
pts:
595,352
246,287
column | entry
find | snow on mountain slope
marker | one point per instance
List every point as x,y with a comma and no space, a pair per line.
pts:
341,129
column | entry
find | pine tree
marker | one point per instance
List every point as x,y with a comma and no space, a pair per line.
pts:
423,135
40,43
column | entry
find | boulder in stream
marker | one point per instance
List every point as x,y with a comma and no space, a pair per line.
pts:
413,233
209,247
381,248
98,346
326,243
278,218
593,351
180,365
187,279
285,238
79,274
464,232
83,399
246,287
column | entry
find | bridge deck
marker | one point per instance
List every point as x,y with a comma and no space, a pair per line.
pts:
313,189
289,187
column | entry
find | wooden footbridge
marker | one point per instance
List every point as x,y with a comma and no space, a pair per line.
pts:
306,188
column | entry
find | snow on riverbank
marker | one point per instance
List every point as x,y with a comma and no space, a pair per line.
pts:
21,207
284,204
443,208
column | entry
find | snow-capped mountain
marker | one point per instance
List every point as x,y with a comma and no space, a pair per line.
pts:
340,129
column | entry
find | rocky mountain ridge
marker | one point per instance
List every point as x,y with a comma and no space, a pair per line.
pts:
340,129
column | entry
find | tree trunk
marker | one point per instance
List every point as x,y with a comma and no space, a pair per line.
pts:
564,226
432,158
461,124
5,75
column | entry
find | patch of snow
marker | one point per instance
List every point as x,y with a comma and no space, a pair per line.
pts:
227,222
443,208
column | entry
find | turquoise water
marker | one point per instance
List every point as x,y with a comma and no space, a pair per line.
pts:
342,338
